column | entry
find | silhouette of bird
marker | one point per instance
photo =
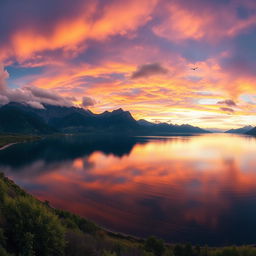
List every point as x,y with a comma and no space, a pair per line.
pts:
194,68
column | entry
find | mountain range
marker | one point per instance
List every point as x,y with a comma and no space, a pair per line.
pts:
20,118
242,130
252,132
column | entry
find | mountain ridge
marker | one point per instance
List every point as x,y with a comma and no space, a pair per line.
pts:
59,119
252,132
241,130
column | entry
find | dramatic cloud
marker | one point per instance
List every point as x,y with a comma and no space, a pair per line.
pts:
136,55
66,27
149,70
32,96
88,101
227,102
200,20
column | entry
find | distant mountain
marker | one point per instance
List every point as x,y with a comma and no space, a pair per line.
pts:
145,123
161,128
242,130
21,118
252,131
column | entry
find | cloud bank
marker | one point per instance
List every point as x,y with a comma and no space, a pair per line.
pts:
31,96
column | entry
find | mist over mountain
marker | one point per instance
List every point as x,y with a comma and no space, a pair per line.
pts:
20,118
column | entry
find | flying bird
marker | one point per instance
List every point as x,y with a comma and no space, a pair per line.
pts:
194,68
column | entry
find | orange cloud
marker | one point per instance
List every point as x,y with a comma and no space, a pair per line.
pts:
200,21
116,18
95,52
175,97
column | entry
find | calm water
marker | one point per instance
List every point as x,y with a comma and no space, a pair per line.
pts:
200,189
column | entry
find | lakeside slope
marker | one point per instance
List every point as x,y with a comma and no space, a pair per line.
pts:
31,227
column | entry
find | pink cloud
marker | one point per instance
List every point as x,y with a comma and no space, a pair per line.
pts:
200,20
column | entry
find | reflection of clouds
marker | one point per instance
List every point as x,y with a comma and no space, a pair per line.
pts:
167,183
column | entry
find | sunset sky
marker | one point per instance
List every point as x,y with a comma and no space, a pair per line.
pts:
136,54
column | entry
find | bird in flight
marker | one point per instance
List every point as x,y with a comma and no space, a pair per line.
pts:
194,68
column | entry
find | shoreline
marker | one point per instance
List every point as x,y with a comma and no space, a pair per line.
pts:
7,140
8,145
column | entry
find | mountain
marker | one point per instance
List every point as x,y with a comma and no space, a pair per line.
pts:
145,123
252,131
242,130
165,128
73,119
15,120
21,118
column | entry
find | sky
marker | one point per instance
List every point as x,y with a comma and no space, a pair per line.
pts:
135,55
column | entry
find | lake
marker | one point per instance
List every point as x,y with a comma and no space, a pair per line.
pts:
199,189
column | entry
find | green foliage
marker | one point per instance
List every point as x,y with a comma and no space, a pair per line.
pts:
2,238
107,253
155,245
80,244
31,227
28,247
75,222
3,252
178,250
233,251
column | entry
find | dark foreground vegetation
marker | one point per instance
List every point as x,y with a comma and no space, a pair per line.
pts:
30,227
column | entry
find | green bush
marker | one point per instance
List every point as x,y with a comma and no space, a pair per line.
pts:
3,252
32,228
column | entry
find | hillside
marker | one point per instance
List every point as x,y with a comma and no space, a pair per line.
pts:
15,120
31,227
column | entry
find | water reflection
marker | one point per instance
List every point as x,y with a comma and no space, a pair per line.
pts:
194,188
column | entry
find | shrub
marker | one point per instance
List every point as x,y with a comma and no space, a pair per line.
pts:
31,226
154,245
